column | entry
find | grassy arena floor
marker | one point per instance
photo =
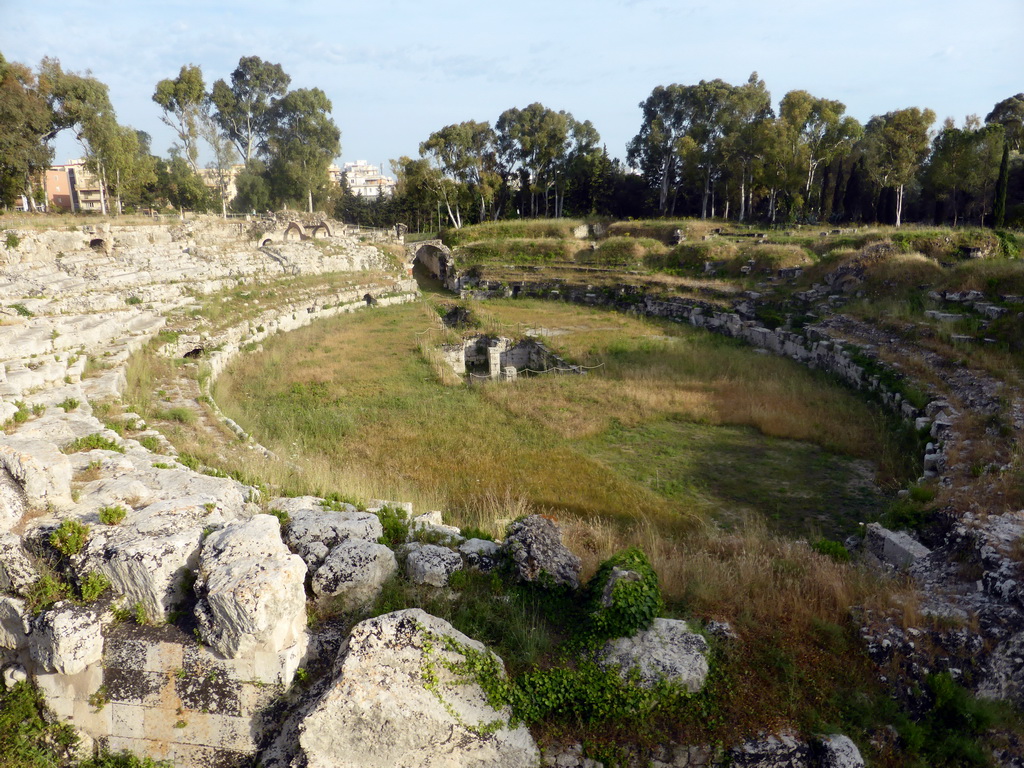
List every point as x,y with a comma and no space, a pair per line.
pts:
671,424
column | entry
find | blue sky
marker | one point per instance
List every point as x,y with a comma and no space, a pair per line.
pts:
396,70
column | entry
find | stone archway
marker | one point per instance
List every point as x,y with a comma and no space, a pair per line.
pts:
323,229
435,257
294,231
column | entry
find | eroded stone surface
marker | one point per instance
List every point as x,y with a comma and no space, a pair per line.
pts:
66,639
355,569
379,711
667,651
431,564
535,546
313,531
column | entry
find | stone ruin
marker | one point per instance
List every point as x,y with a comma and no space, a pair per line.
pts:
496,358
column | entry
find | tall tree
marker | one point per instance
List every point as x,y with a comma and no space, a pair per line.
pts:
1008,113
743,143
184,103
534,140
464,155
302,142
224,157
895,145
964,165
655,150
243,109
25,119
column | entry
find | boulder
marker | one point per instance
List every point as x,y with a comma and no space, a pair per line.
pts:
40,470
838,751
252,589
151,553
312,533
17,573
535,546
66,639
384,708
783,750
15,625
667,651
481,554
13,503
355,569
894,548
431,564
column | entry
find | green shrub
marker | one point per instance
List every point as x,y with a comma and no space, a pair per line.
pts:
123,759
179,414
46,591
93,585
189,460
70,537
133,301
475,533
832,549
93,442
69,404
29,738
396,526
150,443
635,603
281,515
112,515
12,240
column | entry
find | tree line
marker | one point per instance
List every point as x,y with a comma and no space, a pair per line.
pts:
286,138
712,149
720,150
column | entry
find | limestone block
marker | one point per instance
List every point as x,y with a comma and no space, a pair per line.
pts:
313,531
66,639
481,553
252,589
535,546
355,569
838,751
42,471
666,651
15,623
431,564
379,712
17,573
149,555
895,548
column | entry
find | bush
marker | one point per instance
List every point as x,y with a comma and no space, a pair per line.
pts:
46,591
634,603
22,310
93,585
69,404
70,537
832,549
112,515
93,442
396,526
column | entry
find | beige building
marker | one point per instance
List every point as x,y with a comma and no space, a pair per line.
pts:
72,187
210,179
363,179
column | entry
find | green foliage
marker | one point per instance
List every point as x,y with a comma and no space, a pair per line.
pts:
180,414
133,301
150,443
22,414
635,603
909,513
123,759
336,502
22,310
46,591
12,240
190,460
135,612
832,549
395,522
69,404
70,537
93,585
471,532
93,442
281,515
112,515
28,737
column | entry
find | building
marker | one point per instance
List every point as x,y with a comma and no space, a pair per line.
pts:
363,179
211,180
73,187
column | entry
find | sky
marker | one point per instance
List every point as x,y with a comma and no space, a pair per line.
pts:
397,70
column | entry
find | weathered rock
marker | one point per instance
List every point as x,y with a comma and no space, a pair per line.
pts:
12,501
355,569
66,639
838,751
14,623
16,570
14,674
666,651
150,554
252,588
617,574
895,548
535,546
782,750
431,564
313,531
1003,674
481,554
42,471
379,710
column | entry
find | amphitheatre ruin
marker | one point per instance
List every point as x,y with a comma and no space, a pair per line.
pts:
186,582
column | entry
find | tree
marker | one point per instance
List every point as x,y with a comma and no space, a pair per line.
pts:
463,154
252,191
244,109
302,142
181,185
895,145
655,150
534,141
743,143
964,164
1008,113
415,192
184,103
25,119
224,157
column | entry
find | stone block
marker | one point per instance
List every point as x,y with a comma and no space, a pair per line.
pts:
126,721
95,722
896,548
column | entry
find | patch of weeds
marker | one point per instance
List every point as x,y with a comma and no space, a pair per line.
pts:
28,736
12,240
135,612
395,523
214,472
93,442
38,409
832,549
179,414
150,443
112,515
281,515
475,533
99,698
189,460
69,404
336,502
162,465
132,301
630,604
93,586
22,310
46,591
70,537
22,414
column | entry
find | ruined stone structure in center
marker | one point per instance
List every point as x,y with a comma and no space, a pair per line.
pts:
496,358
